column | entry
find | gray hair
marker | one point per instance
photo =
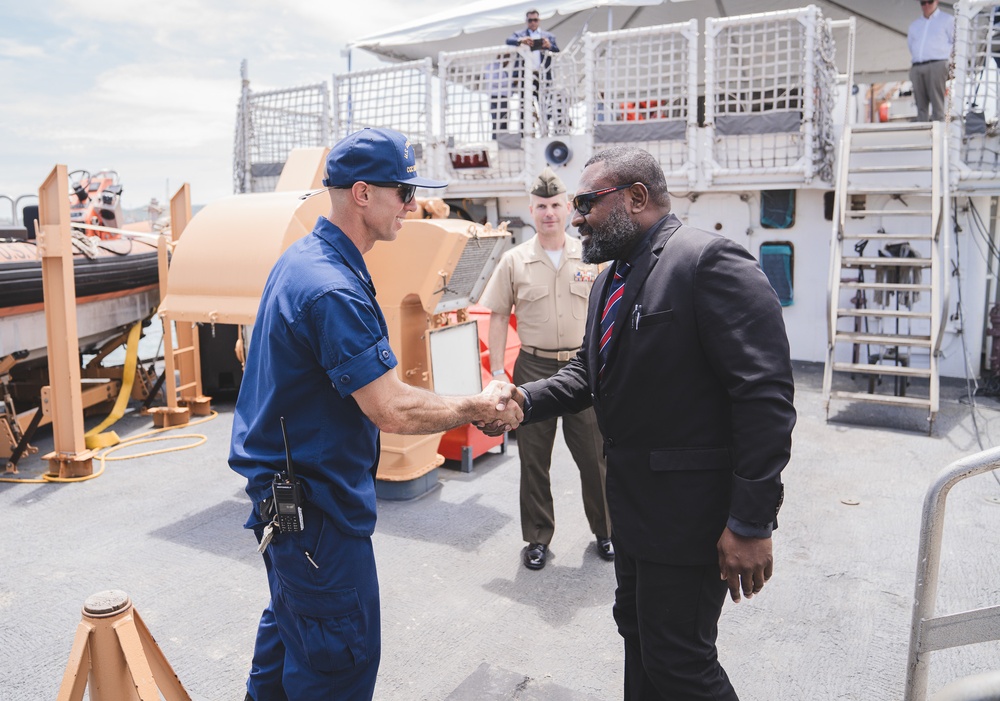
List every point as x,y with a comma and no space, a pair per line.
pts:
627,164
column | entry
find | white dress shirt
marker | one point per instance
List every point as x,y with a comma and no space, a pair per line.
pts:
931,38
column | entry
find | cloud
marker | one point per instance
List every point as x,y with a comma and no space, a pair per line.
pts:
9,48
150,88
149,122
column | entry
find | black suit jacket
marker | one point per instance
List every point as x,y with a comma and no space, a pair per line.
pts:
546,68
696,402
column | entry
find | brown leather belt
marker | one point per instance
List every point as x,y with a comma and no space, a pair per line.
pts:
560,355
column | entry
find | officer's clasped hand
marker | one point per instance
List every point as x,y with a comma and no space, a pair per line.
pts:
502,412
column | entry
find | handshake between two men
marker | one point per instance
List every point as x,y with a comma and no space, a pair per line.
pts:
508,408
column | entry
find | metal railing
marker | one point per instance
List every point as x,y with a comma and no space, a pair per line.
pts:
770,81
975,97
979,687
492,100
396,97
270,124
929,632
642,90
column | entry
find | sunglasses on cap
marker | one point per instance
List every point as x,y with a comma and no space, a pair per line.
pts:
584,202
406,191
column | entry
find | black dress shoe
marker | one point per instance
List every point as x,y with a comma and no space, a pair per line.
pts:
605,549
534,556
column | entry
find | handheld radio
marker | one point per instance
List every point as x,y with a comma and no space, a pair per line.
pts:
287,491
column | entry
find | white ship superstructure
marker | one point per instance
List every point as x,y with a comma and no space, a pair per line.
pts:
766,124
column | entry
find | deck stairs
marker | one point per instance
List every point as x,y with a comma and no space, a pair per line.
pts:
886,289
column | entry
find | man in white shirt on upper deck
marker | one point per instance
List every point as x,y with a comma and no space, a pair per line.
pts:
930,39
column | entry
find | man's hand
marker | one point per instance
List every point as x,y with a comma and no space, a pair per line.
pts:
503,411
508,403
546,43
526,41
744,560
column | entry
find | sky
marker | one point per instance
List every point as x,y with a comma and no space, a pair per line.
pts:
150,89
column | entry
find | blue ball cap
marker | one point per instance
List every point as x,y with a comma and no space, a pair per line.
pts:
374,156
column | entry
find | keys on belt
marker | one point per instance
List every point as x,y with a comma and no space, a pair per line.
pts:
562,356
265,539
266,510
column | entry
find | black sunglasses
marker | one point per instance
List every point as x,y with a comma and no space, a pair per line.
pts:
406,191
533,19
927,2
583,203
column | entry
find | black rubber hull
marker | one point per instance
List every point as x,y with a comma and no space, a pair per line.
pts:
21,278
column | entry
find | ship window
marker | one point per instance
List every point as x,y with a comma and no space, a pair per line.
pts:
828,205
777,259
777,209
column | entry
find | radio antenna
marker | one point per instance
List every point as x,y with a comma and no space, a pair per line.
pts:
288,450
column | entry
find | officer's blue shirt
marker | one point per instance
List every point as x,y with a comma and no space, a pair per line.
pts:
319,336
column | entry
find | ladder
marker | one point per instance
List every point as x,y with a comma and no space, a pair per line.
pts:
886,289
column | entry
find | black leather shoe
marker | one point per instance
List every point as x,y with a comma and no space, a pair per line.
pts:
605,549
534,556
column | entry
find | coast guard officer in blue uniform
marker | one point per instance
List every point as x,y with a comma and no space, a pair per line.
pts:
320,358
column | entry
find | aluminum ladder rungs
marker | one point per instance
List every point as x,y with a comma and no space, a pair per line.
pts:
888,286
892,237
890,212
904,190
870,170
874,369
893,127
890,169
890,313
886,148
881,399
874,339
882,262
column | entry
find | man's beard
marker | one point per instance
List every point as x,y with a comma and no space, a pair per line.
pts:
614,240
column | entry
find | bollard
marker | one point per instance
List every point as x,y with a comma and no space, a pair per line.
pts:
115,655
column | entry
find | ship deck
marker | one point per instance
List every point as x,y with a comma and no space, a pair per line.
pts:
463,619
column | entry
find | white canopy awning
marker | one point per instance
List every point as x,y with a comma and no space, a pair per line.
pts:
882,24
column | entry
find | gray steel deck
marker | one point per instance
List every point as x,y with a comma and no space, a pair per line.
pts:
462,619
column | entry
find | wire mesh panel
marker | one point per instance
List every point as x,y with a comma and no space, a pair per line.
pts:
562,89
771,82
642,92
397,97
269,125
975,105
489,104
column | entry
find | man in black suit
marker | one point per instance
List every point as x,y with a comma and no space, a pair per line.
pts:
690,377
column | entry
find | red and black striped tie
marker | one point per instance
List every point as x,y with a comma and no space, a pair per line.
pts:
610,310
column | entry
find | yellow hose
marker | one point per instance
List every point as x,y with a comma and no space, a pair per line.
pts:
134,441
94,438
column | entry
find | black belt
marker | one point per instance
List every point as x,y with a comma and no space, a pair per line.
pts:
562,355
935,60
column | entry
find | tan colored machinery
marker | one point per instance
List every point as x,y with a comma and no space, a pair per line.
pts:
425,279
114,657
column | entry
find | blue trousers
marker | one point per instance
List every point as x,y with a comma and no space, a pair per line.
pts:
320,636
